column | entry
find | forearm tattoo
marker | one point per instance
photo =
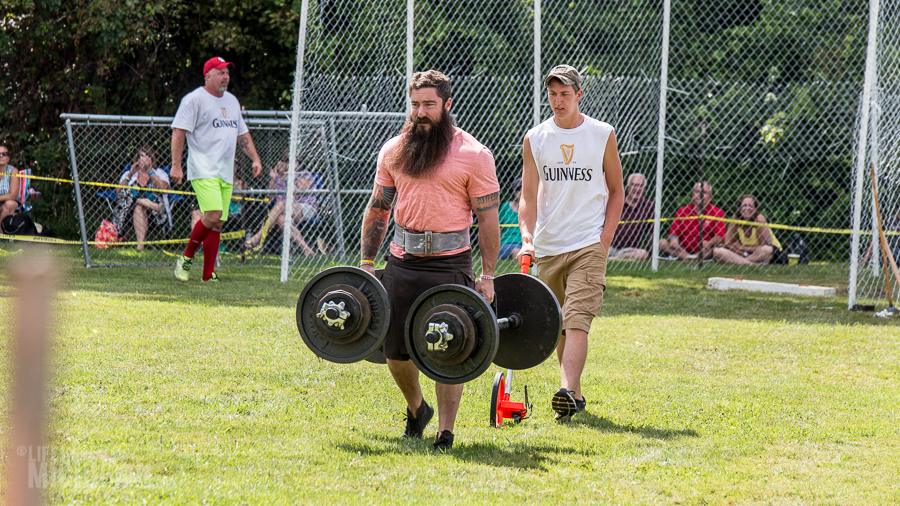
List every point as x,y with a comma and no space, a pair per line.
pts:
487,202
375,220
374,228
244,143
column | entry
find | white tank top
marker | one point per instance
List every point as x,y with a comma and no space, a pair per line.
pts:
572,195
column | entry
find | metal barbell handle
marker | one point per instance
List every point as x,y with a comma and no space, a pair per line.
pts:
512,321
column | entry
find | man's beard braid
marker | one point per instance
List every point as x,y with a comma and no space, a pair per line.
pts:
419,153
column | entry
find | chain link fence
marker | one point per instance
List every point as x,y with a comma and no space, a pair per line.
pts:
336,148
758,97
878,124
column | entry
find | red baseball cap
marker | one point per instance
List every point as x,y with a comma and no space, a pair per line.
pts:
216,62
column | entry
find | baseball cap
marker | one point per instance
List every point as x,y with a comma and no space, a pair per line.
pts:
566,74
216,62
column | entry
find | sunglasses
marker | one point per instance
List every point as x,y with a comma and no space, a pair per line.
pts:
4,153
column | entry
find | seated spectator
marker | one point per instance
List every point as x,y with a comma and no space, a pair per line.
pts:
747,244
684,234
142,208
9,185
305,206
510,237
631,238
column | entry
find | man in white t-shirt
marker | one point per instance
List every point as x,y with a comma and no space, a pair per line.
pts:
572,199
210,119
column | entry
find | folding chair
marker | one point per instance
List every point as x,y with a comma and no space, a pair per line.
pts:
25,192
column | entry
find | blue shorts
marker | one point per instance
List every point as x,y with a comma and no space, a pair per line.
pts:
506,250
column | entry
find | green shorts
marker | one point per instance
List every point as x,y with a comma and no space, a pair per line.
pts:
213,195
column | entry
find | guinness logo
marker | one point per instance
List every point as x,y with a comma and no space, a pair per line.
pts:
567,150
225,115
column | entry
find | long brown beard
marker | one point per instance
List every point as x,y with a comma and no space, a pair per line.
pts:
420,152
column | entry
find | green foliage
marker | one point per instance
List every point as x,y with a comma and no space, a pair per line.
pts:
130,58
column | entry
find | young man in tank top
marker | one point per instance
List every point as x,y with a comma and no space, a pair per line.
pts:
572,199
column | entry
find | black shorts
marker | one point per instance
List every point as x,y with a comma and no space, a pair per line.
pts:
407,278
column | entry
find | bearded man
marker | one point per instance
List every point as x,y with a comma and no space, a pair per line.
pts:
437,175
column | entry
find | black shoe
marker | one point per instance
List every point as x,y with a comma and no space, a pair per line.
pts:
580,404
443,441
416,426
563,403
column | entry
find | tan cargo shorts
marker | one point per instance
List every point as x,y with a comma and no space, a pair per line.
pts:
578,279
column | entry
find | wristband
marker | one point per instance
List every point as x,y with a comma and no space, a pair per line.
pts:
526,235
489,278
367,262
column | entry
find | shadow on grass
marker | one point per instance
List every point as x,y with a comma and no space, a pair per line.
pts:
517,456
606,425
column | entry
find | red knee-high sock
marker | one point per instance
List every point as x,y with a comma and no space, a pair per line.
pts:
210,251
197,236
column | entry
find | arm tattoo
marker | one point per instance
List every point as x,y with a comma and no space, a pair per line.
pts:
244,143
389,194
374,228
487,198
383,198
487,202
375,220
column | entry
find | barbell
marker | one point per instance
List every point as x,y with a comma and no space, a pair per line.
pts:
452,334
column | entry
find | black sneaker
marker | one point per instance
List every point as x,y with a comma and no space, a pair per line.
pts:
563,403
416,426
580,404
443,442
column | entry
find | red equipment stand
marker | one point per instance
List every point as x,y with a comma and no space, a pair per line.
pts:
501,406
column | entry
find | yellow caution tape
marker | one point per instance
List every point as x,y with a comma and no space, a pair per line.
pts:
37,238
138,188
52,240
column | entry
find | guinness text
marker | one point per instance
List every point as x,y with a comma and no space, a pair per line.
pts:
224,123
566,174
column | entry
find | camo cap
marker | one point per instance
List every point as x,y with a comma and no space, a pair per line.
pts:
566,75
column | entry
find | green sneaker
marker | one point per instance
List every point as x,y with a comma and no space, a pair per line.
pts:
214,277
183,268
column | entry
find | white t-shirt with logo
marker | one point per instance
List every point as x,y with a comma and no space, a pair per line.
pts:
213,125
572,193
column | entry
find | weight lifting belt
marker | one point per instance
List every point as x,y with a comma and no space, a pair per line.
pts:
429,243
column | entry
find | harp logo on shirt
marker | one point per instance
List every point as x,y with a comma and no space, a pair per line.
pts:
224,112
568,150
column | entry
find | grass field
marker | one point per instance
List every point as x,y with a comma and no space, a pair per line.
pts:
174,393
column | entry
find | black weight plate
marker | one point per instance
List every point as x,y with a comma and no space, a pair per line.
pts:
377,357
485,328
537,337
375,298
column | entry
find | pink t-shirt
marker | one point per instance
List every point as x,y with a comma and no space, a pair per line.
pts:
440,202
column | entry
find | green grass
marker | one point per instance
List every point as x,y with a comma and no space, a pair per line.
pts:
165,392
